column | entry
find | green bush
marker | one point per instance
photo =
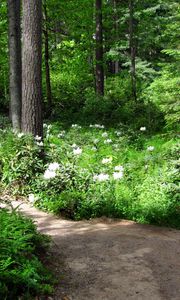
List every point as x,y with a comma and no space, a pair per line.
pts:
66,181
22,273
117,106
20,160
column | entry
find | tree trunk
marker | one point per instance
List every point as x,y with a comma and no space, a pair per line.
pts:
116,63
46,57
31,67
99,50
15,62
132,49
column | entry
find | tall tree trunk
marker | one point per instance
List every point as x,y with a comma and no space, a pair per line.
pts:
15,62
132,49
46,57
99,50
31,67
116,62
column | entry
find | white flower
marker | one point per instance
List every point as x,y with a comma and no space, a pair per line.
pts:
53,166
49,174
142,129
150,148
119,168
91,126
104,134
101,177
74,146
94,148
44,125
75,126
108,141
20,134
118,133
38,138
107,160
96,141
61,134
77,151
39,144
118,175
31,198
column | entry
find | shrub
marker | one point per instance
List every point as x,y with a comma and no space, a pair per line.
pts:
22,273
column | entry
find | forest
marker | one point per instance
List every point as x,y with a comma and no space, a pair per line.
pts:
89,121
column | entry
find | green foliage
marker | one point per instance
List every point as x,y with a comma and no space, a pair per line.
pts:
20,160
117,106
80,181
164,91
22,273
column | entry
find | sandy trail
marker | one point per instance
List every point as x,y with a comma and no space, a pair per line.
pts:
111,260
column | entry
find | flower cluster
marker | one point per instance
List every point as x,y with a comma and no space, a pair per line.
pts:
117,174
107,160
76,126
119,168
96,141
142,129
48,128
150,148
118,133
108,141
101,177
51,170
61,134
105,134
38,141
96,126
20,135
77,151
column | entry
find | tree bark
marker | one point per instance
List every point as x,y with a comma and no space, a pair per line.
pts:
31,67
99,50
116,63
15,62
132,49
46,57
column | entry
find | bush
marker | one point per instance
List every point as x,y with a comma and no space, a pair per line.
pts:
22,273
76,178
20,160
117,106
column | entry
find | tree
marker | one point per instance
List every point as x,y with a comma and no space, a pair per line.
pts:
132,49
46,58
31,67
99,50
15,62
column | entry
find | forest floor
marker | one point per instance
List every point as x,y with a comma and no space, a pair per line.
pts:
105,259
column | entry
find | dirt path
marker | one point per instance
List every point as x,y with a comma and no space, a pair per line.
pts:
108,260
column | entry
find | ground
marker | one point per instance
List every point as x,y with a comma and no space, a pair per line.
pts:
111,260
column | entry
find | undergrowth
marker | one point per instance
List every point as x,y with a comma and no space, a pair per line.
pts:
22,273
93,171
